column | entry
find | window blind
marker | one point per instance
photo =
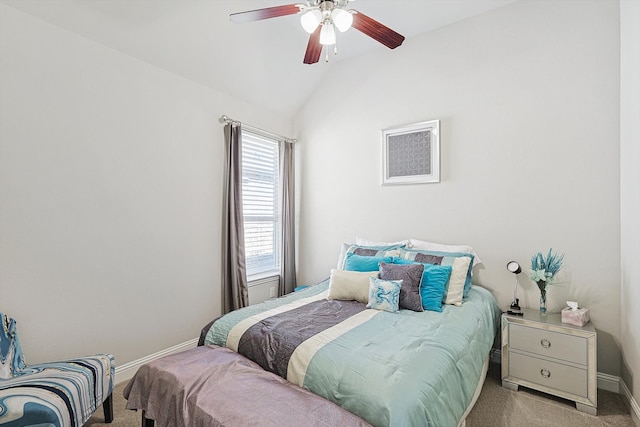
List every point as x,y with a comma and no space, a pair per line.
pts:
260,172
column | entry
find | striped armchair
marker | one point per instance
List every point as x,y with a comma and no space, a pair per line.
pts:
60,394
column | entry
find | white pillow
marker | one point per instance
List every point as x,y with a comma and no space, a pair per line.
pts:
432,246
343,252
456,280
350,285
364,242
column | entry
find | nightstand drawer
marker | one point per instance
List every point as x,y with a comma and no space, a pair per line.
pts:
547,343
549,374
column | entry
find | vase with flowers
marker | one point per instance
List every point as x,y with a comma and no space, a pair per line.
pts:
543,270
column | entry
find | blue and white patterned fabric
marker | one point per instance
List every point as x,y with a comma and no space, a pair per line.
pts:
384,294
56,394
11,358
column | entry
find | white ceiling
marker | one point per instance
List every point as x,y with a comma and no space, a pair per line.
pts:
260,62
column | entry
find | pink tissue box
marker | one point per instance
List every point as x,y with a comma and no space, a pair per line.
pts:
579,317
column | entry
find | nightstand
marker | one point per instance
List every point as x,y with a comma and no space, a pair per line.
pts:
542,353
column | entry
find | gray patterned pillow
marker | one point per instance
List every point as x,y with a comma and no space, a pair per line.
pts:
411,275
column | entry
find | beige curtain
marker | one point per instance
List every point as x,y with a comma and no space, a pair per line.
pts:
287,211
234,275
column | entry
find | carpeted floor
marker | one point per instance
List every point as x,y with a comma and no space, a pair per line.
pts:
499,407
496,407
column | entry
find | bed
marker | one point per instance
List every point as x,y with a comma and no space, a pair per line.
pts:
404,368
211,386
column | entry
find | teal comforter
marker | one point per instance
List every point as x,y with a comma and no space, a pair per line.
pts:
391,369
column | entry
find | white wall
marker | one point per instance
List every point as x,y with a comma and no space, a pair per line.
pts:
630,193
110,194
528,98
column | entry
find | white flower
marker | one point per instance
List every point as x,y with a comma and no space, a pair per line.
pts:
539,275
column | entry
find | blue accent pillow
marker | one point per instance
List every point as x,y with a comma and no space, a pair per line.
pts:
447,258
384,294
433,285
11,356
411,276
364,263
377,251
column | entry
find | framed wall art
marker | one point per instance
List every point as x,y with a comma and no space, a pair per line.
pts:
411,154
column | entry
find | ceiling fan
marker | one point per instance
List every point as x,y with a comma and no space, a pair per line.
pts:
321,18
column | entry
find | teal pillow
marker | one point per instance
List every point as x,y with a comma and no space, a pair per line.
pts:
440,258
384,294
433,287
377,251
364,263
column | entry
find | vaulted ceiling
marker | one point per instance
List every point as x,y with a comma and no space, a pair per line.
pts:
260,62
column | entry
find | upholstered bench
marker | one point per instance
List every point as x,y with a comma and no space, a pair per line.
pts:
64,393
214,386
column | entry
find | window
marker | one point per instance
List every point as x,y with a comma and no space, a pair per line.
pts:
260,203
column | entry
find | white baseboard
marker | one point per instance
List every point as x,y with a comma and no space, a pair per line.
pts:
127,371
495,355
634,407
609,382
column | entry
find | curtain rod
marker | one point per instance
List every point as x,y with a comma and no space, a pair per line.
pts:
226,120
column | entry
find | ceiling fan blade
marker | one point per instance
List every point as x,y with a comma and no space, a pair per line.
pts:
314,48
376,30
266,13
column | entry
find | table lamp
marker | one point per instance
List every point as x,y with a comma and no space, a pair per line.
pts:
514,309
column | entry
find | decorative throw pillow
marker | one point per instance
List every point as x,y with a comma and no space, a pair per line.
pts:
433,284
447,259
343,253
432,246
11,358
455,291
428,259
356,262
411,276
434,291
350,285
384,294
378,251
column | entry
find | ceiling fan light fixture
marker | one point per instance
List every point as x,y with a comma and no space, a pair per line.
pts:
310,20
320,18
327,34
342,19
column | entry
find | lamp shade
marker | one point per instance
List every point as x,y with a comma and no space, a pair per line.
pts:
514,267
342,19
327,34
310,20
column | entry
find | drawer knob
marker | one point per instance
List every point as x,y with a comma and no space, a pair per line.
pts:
545,373
545,343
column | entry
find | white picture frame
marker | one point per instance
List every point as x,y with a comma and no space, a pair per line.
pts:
411,154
